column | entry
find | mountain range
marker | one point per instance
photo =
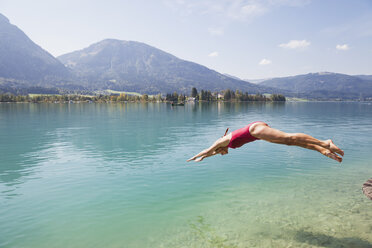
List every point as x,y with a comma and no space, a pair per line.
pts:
21,59
324,85
134,66
137,67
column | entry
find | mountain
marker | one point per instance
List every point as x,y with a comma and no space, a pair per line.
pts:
23,63
323,85
231,76
134,66
364,77
256,81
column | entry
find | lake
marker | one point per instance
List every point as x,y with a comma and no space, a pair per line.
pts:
115,175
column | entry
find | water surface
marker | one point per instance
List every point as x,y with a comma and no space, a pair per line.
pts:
114,175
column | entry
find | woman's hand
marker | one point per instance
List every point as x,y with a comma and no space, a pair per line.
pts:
220,146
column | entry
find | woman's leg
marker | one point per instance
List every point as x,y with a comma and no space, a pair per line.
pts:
267,133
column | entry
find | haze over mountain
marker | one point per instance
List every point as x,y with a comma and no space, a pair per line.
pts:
134,66
24,61
364,77
234,77
324,85
256,81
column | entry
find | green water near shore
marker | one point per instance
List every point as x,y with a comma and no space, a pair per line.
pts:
114,175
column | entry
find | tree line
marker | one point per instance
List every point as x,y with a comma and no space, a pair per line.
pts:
226,95
79,98
230,95
203,95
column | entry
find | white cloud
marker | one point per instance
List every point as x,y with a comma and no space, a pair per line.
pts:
295,44
241,10
291,3
216,31
253,9
213,54
265,62
244,10
343,47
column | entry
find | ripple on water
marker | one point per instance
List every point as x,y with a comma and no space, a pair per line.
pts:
115,174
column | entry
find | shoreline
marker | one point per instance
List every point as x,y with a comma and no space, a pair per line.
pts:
189,102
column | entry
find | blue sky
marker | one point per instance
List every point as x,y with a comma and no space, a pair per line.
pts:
246,38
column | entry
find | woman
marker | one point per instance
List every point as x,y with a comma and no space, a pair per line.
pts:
260,130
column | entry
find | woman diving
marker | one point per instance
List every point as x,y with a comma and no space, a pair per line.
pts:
260,130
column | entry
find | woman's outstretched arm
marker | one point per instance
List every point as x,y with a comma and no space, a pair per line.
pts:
219,146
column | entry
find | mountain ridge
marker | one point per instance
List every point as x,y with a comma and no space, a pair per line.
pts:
117,64
24,60
137,67
323,85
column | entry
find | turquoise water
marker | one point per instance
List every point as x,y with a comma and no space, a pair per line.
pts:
114,175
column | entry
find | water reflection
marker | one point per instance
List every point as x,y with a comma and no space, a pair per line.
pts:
123,165
128,132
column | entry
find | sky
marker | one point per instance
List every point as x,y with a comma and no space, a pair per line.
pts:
249,39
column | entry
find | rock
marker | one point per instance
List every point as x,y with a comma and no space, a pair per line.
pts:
367,188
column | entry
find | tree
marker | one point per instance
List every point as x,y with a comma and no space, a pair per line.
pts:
145,97
227,95
175,96
239,95
277,98
159,98
181,98
122,97
209,96
194,92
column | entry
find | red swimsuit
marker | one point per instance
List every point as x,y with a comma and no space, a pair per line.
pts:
241,136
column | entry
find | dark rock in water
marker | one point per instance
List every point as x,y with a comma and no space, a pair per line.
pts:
323,240
367,188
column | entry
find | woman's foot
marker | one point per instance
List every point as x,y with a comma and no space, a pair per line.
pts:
333,148
333,155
